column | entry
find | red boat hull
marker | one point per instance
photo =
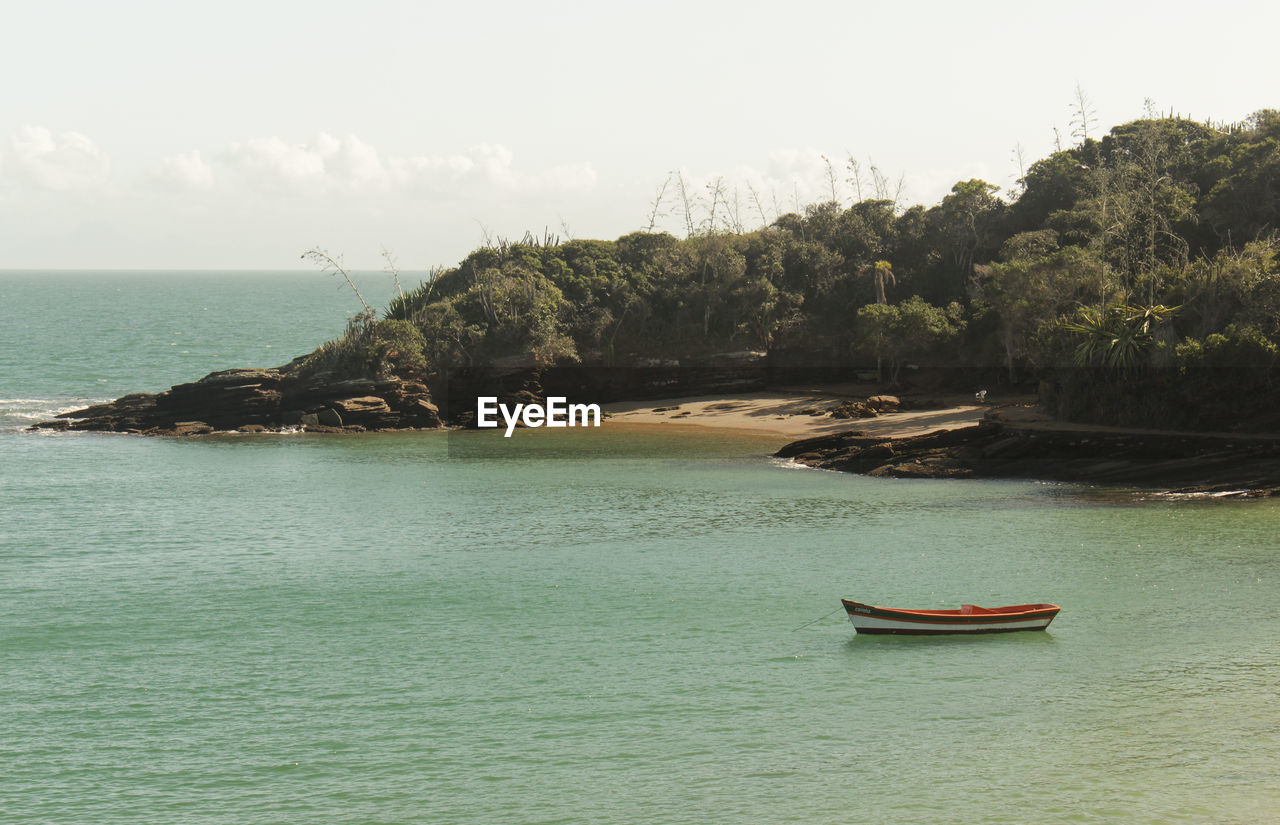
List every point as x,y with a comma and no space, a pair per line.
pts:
969,618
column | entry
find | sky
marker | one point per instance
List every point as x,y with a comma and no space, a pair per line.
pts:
237,135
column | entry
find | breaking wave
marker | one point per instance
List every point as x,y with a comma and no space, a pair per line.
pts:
16,413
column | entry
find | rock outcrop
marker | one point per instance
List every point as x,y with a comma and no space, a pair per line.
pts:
255,400
1178,463
878,405
258,400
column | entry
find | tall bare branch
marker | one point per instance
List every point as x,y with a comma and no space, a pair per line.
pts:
330,264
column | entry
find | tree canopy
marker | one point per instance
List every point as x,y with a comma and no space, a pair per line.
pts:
1168,220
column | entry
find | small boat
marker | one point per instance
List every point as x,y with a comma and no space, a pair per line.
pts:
969,618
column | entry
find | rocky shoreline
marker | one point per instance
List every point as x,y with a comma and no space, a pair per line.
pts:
261,400
290,397
283,398
1171,463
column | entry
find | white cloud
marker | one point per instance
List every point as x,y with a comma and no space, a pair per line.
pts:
66,162
354,164
185,172
328,164
271,164
429,174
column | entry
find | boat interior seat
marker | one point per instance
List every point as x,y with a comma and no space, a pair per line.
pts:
966,609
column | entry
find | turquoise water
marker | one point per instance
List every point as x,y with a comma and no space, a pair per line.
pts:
611,626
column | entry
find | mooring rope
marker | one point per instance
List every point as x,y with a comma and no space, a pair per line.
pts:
815,621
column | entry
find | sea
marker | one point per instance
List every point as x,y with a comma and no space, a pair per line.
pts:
596,627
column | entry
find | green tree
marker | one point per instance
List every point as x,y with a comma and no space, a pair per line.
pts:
965,229
1232,286
913,328
1140,200
1243,184
1028,292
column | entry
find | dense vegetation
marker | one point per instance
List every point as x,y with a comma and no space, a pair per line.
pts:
1137,276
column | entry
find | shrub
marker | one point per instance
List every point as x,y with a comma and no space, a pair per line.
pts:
371,349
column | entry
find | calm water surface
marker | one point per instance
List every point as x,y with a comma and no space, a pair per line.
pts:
576,627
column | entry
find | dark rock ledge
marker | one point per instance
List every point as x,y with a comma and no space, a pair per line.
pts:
262,400
1175,463
273,399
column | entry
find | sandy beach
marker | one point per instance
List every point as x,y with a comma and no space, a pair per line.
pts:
792,414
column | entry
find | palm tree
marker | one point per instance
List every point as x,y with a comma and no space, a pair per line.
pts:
883,273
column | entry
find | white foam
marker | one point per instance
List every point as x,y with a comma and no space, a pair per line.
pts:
788,464
20,411
1213,494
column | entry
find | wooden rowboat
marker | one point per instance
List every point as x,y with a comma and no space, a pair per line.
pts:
969,618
